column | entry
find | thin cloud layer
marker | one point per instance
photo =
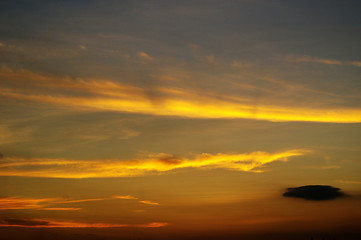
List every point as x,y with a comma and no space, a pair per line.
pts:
44,223
155,163
24,203
40,203
314,192
103,94
130,197
309,59
10,203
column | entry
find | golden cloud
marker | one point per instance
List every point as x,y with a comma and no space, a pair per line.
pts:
155,163
126,197
149,202
100,95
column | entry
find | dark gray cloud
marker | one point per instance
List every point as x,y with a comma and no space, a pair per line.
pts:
23,222
314,192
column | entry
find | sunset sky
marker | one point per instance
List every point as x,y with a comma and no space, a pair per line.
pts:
179,119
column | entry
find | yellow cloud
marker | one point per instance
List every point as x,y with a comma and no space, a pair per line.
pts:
125,197
149,202
111,96
65,168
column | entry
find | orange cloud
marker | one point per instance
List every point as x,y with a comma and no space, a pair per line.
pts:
23,203
145,56
44,223
46,203
60,209
309,59
149,202
125,197
64,168
81,200
40,203
135,198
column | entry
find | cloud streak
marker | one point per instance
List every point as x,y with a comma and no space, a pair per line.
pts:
155,163
9,203
40,203
106,95
309,59
44,223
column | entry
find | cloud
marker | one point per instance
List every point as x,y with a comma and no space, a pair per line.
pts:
24,203
60,209
314,192
81,200
106,95
9,135
125,197
129,197
149,202
40,203
23,222
309,59
155,163
9,203
44,223
145,56
350,182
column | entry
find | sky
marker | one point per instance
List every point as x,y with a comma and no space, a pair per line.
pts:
183,119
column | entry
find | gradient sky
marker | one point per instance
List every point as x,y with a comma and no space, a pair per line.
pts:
179,119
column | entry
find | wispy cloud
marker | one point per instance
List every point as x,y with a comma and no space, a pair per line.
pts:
46,223
155,163
59,209
107,95
81,200
126,197
350,182
309,59
145,56
22,203
8,203
33,203
149,202
130,197
326,167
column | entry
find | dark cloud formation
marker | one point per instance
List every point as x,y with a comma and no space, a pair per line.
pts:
314,192
23,222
